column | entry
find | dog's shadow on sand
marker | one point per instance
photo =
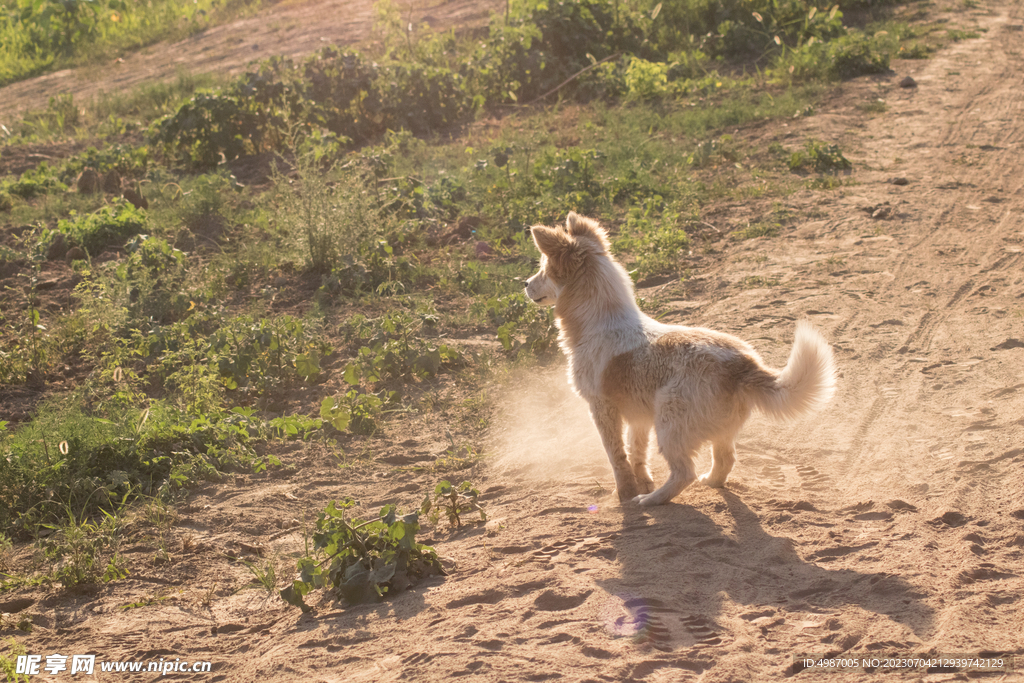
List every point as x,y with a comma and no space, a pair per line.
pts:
678,568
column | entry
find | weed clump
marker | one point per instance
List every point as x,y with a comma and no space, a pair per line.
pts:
820,157
358,561
330,208
111,225
78,547
36,182
453,502
655,236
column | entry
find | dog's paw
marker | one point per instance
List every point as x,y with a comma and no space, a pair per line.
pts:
713,482
647,500
627,494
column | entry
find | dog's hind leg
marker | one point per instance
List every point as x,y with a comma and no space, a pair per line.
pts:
678,445
609,426
724,459
638,439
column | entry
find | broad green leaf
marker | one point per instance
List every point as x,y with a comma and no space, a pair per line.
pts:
307,365
352,374
294,593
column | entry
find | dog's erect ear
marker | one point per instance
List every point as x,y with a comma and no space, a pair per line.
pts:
551,242
580,226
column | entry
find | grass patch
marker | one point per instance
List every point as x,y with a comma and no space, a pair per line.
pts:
755,230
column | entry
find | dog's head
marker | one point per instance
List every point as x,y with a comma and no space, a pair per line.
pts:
563,252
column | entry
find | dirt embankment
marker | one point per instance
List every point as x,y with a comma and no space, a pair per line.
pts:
891,523
294,29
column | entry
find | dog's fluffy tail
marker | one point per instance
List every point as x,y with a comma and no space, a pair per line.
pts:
807,382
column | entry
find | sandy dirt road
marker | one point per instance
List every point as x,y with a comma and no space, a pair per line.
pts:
890,524
292,29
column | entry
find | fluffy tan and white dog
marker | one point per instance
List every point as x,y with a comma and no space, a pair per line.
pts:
691,385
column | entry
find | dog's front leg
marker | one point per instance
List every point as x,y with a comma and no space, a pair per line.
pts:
638,440
609,426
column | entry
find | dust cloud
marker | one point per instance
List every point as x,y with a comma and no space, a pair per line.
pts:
543,430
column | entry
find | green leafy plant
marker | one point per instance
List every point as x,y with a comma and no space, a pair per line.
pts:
212,128
819,156
523,327
646,80
129,161
68,457
358,560
36,182
452,502
295,426
572,174
8,662
847,56
154,275
111,225
654,235
256,356
30,350
390,348
356,411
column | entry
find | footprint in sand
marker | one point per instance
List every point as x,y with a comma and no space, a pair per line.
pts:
651,621
599,546
558,601
811,479
773,473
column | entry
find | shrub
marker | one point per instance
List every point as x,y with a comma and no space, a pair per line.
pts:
35,182
571,174
849,56
335,90
418,98
646,80
111,225
211,128
856,55
544,43
128,160
154,274
245,354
